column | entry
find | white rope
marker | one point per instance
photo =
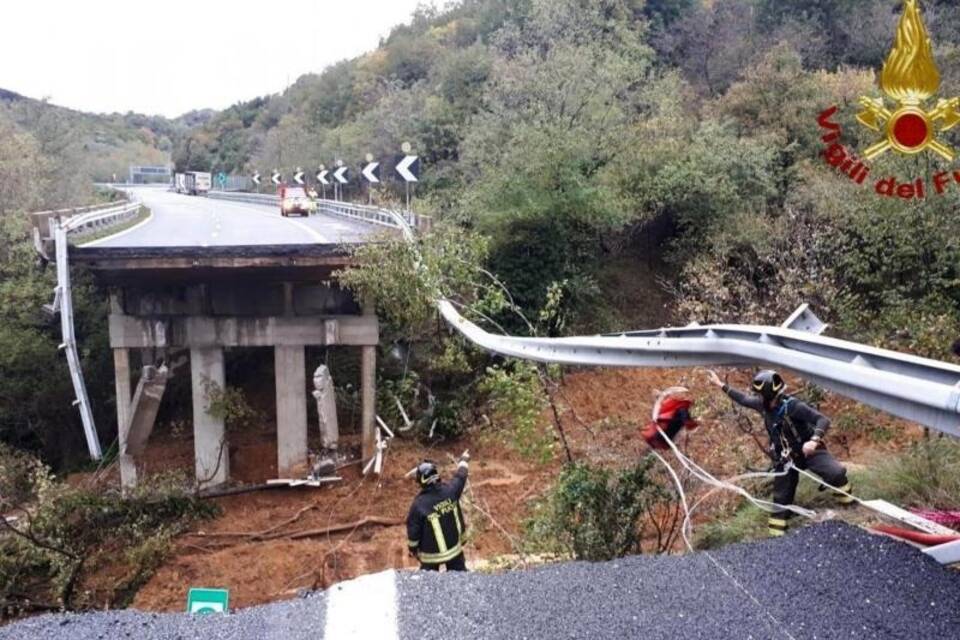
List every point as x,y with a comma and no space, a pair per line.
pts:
707,478
686,528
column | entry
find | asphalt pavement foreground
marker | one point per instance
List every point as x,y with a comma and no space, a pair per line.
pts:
826,581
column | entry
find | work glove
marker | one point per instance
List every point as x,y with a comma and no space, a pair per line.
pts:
810,447
464,459
714,378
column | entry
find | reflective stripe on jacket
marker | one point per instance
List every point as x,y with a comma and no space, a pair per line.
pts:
435,524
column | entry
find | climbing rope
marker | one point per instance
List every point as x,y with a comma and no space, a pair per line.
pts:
686,528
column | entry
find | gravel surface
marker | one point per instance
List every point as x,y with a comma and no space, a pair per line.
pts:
826,581
294,619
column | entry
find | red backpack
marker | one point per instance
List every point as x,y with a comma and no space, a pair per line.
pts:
671,413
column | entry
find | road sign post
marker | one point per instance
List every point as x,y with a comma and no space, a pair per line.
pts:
322,179
206,601
371,171
341,176
409,170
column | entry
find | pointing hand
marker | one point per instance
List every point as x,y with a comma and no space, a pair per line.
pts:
714,378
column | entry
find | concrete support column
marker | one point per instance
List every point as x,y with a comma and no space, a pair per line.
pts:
121,372
210,450
368,390
368,399
290,367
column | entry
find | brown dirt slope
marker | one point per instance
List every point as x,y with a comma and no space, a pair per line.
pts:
601,409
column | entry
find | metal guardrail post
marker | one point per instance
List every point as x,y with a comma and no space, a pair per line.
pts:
69,344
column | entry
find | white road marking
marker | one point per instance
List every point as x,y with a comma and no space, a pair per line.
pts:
316,235
363,608
313,233
119,234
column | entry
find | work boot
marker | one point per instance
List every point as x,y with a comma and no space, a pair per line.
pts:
777,525
842,499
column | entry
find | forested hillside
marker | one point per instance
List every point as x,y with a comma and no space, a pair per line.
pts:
94,146
577,134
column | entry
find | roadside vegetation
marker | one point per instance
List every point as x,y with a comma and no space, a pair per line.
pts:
77,546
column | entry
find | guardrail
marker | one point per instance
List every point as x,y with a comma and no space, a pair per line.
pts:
101,218
80,220
60,225
362,213
917,389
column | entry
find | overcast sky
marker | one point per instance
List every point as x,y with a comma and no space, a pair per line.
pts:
170,56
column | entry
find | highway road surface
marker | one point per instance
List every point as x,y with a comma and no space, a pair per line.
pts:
822,582
194,221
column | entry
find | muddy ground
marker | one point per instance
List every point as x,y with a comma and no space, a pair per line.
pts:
263,546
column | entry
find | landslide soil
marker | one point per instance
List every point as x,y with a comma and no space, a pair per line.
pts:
601,412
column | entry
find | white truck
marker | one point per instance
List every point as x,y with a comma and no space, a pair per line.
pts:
197,183
180,183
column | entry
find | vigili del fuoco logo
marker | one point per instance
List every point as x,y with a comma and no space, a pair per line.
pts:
904,123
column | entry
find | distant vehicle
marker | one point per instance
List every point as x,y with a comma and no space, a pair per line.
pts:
295,200
197,183
179,183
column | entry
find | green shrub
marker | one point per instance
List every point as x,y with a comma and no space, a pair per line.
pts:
596,514
62,532
230,404
517,401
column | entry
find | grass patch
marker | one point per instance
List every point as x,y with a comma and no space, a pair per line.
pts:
925,475
142,215
747,523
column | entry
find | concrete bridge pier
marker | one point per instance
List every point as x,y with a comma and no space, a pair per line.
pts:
210,447
368,390
291,380
121,367
168,301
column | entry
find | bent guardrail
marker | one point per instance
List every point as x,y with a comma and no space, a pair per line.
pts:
43,222
61,224
917,389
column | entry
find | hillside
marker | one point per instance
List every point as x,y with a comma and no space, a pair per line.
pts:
102,145
598,143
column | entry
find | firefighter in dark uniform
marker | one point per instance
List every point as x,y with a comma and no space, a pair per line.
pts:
435,524
796,433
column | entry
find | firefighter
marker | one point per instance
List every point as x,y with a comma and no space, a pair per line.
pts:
796,433
435,524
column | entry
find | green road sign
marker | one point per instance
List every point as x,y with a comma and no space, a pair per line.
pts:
208,601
